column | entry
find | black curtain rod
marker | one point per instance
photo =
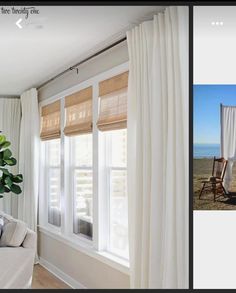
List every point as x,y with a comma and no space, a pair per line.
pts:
81,62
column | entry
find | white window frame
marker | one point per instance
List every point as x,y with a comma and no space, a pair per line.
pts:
98,246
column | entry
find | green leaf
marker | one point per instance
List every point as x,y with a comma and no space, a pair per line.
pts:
2,139
8,181
7,154
2,190
6,189
10,162
5,171
15,189
2,163
5,145
17,178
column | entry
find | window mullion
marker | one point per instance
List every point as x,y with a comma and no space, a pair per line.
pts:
108,191
96,199
47,181
63,173
69,176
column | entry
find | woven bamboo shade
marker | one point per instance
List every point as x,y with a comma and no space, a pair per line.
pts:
50,121
113,103
79,112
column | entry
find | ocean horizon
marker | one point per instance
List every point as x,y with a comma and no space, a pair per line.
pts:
206,150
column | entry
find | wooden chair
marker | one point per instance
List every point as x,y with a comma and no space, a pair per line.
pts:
215,182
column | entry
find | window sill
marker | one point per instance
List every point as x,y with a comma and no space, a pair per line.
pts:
84,247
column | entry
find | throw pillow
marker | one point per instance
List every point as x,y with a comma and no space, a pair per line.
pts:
13,233
1,225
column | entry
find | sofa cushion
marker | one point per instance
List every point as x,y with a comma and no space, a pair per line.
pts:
13,233
16,267
30,240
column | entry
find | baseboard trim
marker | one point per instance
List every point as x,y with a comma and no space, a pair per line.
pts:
60,274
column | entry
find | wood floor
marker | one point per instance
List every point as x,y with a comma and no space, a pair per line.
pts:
43,279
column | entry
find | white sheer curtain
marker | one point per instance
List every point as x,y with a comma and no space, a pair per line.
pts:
29,158
10,115
158,151
228,140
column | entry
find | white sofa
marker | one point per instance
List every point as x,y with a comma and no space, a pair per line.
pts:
17,253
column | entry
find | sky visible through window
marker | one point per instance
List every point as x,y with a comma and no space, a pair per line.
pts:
207,100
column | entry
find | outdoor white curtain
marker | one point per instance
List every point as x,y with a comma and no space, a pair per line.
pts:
158,151
228,140
29,158
10,115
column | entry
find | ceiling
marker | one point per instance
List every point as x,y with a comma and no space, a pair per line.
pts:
214,45
57,38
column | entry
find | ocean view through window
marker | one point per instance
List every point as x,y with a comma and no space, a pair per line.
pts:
206,150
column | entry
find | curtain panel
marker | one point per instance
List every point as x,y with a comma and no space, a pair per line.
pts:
228,140
158,151
10,117
29,159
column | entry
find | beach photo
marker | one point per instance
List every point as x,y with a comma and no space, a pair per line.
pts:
214,171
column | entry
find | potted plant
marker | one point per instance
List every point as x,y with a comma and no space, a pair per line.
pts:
8,181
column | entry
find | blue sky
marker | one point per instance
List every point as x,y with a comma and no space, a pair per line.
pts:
206,112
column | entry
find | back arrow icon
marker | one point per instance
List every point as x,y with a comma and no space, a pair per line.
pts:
18,23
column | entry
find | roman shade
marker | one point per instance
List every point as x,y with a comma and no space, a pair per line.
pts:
113,103
79,112
50,121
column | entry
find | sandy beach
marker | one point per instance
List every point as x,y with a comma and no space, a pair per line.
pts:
202,169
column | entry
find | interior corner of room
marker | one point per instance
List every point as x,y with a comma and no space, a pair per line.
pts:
100,179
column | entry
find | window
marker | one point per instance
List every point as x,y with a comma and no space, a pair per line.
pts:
78,108
117,192
50,135
84,141
82,177
112,122
52,178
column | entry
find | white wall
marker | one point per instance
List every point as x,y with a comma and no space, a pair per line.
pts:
214,46
105,61
80,267
84,269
